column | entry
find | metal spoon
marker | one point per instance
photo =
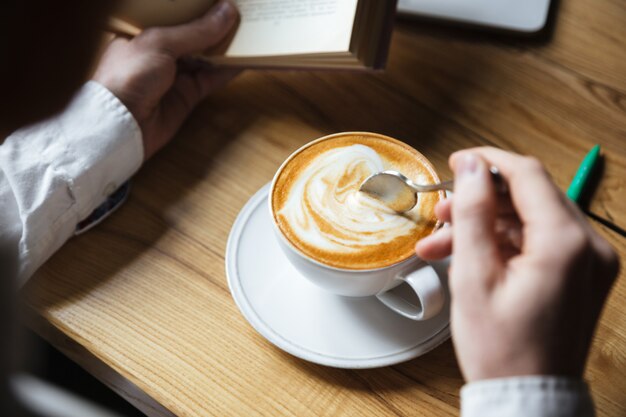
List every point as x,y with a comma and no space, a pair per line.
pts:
399,193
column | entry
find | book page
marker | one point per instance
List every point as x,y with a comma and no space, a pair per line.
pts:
288,27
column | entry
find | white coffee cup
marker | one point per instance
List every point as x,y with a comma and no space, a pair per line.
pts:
419,275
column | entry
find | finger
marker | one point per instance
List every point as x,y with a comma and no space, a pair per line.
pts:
474,214
188,90
443,210
508,232
540,205
195,36
208,79
532,191
435,246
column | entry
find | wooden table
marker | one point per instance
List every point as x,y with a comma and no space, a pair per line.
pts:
142,301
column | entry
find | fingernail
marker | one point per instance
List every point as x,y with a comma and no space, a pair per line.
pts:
466,165
224,10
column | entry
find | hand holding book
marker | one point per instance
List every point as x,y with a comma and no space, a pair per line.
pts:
151,76
351,34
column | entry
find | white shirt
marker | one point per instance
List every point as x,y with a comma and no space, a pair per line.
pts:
55,173
529,396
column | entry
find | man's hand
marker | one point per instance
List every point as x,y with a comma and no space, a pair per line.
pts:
529,275
147,74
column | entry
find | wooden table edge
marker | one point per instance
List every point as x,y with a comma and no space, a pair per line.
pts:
92,364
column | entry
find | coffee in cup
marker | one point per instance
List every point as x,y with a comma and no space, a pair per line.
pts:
317,205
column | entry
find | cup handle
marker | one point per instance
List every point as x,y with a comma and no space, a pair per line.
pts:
428,289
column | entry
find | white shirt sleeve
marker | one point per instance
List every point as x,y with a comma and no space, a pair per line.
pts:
54,173
537,396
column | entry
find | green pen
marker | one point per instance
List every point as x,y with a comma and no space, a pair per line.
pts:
582,175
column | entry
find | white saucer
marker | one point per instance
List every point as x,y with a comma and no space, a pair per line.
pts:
308,322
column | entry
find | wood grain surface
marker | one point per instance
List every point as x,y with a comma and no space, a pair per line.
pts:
142,301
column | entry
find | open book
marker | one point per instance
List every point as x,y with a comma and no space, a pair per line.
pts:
348,34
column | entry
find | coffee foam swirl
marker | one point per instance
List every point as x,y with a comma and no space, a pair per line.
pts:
327,211
319,210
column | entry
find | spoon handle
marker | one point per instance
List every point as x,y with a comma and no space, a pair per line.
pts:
497,178
445,185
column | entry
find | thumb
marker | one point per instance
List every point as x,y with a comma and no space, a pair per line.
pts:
195,36
473,216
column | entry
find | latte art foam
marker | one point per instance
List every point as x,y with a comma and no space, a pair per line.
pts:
327,211
318,205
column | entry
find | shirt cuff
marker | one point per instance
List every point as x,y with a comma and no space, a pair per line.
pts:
537,396
106,146
60,169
